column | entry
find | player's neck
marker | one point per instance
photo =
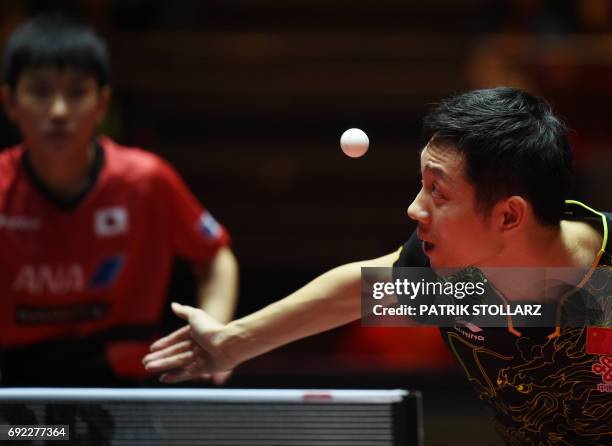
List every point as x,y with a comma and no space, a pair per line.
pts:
65,176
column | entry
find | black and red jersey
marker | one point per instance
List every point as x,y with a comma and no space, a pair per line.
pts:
542,388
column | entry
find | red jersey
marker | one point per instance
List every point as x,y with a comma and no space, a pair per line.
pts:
104,262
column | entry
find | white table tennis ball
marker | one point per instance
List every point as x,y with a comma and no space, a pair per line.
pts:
354,143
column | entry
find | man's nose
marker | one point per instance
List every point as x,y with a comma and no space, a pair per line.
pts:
59,107
416,210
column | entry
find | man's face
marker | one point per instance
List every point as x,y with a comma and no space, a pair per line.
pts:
57,110
452,231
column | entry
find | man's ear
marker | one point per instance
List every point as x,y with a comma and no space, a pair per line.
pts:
104,102
7,101
511,212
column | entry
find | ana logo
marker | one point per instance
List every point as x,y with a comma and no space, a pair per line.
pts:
19,223
110,222
60,279
473,330
604,368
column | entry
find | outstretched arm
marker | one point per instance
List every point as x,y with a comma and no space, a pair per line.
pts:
206,346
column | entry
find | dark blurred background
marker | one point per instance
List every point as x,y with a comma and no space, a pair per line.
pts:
248,98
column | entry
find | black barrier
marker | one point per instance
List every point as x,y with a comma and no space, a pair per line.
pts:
220,417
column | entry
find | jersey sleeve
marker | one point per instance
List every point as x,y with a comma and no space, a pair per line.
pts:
196,235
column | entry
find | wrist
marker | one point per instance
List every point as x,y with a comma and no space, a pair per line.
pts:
234,344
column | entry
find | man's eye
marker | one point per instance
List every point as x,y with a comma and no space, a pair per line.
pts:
435,190
39,91
76,92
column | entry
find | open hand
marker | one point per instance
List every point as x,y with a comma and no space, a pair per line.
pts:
192,352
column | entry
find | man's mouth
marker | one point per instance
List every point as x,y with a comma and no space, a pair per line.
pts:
58,132
426,245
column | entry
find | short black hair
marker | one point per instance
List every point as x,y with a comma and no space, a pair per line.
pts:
512,144
55,40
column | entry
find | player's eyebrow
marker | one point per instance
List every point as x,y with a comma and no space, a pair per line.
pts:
435,170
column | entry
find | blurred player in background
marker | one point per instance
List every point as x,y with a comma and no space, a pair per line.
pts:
89,229
495,173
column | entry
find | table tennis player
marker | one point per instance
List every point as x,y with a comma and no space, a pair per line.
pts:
496,173
89,229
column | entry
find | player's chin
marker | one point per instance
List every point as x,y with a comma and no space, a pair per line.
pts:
59,147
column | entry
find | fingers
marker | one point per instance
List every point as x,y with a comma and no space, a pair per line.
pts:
194,371
175,349
173,338
172,362
183,354
176,377
184,311
199,320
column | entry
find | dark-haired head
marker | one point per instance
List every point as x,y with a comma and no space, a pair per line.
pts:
53,40
512,144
